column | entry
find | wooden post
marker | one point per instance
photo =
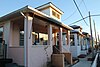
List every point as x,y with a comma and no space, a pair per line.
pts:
95,32
91,34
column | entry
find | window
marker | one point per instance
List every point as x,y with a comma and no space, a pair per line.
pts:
1,38
58,16
1,34
54,13
39,38
21,38
72,40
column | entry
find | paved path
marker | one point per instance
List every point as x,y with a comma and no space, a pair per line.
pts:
83,62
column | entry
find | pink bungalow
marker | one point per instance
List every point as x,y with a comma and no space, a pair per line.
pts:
30,35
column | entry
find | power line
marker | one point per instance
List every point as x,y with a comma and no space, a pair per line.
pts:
85,5
79,20
79,11
72,13
84,18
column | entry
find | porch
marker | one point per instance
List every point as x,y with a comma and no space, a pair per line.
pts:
30,37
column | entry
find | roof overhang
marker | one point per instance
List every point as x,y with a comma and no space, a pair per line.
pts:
25,9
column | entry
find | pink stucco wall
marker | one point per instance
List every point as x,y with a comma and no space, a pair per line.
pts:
17,54
38,56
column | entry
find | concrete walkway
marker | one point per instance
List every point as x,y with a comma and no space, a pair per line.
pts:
83,62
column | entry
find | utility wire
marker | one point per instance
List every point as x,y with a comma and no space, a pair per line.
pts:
73,12
79,20
79,11
84,18
85,5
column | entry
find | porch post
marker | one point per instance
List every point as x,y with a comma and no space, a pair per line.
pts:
27,39
55,38
50,36
68,39
60,39
75,39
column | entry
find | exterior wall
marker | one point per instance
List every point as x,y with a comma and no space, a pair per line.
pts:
7,34
66,42
47,11
15,34
38,56
77,29
17,54
64,45
78,50
75,50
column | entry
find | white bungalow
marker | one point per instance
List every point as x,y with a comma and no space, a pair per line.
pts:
76,38
86,42
31,33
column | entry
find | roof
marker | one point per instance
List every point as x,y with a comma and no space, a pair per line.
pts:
85,33
75,26
27,8
49,4
74,31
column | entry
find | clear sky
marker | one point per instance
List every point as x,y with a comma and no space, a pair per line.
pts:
67,6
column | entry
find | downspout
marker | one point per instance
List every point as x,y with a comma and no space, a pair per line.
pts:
24,45
25,60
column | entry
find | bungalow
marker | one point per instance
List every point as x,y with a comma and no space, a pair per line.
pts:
76,38
30,34
86,42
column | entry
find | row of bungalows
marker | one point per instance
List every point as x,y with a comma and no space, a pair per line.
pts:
35,37
79,41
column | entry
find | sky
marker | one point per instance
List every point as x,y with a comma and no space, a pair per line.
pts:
70,15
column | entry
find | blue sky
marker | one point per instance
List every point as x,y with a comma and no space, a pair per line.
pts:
67,6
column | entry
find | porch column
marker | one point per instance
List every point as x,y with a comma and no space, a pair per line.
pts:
55,38
27,39
50,36
60,39
68,39
75,39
